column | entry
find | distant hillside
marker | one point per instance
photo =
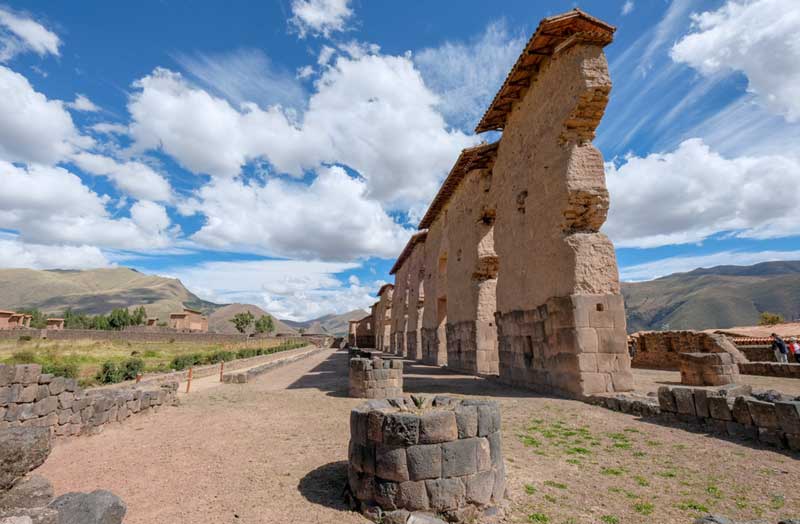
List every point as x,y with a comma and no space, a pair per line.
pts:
219,320
329,324
718,297
95,291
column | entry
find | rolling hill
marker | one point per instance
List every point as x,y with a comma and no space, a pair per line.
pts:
219,320
717,297
329,324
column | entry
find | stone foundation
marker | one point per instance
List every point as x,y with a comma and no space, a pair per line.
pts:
708,369
471,347
770,369
662,349
431,351
376,377
412,456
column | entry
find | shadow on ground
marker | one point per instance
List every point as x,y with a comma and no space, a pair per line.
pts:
325,485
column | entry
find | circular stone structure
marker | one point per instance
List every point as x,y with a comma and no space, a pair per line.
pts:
376,377
420,456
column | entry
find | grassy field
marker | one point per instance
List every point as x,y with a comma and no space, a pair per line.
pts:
83,359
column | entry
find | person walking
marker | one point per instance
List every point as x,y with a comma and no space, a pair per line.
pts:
780,349
794,348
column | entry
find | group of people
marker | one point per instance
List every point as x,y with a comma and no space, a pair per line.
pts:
783,350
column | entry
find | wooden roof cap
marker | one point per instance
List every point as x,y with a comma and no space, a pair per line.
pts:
415,239
553,35
478,157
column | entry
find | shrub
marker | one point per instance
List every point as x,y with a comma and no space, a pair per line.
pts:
61,369
770,319
131,367
22,357
24,338
186,360
109,373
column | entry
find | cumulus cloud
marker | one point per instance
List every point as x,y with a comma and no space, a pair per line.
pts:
133,178
291,289
627,7
691,193
759,38
320,17
466,75
328,219
33,128
19,33
373,114
82,103
107,128
680,264
16,254
50,205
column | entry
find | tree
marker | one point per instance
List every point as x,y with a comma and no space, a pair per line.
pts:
242,321
265,324
119,319
38,319
770,319
139,316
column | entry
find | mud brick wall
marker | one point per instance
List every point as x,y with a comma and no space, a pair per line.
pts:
732,411
770,369
30,398
708,369
376,377
757,353
662,349
439,455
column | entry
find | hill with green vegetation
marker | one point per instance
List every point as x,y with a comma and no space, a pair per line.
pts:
220,320
328,324
717,297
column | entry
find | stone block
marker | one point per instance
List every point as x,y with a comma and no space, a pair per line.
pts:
5,395
793,441
42,392
488,419
361,484
666,400
27,374
771,437
26,412
57,385
386,494
375,426
390,463
479,487
496,449
763,413
66,399
499,491
6,374
788,416
467,421
33,491
483,460
412,496
459,457
28,393
445,494
701,402
97,507
358,423
718,408
684,401
424,461
45,406
29,516
738,430
21,451
437,426
400,429
45,378
71,384
741,411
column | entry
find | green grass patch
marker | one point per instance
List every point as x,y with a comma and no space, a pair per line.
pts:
609,519
550,498
690,505
612,472
530,441
538,517
640,480
643,508
530,489
667,473
714,491
554,484
577,450
777,501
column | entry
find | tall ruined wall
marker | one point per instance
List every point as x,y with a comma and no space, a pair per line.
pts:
361,334
399,313
662,349
472,276
560,315
383,319
434,318
416,301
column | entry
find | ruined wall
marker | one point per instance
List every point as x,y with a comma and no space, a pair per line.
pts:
360,333
136,336
416,307
400,303
434,319
383,319
560,315
662,349
375,378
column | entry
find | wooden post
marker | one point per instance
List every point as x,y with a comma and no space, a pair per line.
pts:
189,380
221,369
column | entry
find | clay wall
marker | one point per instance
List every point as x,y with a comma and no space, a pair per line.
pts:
401,297
662,349
383,318
416,301
361,333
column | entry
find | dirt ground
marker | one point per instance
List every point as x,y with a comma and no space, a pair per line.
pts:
273,451
649,380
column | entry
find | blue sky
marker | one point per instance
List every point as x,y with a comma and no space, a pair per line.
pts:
281,153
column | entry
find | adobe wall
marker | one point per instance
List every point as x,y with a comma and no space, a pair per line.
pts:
560,314
434,318
662,349
383,320
399,312
361,334
416,301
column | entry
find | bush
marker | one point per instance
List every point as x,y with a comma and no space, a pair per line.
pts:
186,360
24,338
770,319
131,367
219,356
61,369
109,373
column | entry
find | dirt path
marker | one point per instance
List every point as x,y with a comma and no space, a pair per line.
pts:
273,451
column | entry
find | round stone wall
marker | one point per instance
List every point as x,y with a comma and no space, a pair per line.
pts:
422,455
376,377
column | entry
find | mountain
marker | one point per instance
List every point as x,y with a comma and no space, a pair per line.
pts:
219,320
95,291
329,324
717,297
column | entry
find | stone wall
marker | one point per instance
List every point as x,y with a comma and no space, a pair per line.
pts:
708,369
360,333
276,360
376,377
30,398
135,336
383,318
662,349
770,369
416,456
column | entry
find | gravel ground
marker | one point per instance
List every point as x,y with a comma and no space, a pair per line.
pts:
273,451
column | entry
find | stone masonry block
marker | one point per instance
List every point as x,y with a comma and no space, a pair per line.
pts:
412,496
27,373
467,421
28,393
437,426
684,401
479,487
459,457
445,494
386,494
701,402
358,424
666,400
375,426
718,408
45,406
488,419
57,385
496,449
788,416
401,429
424,461
390,463
741,411
6,374
763,414
483,460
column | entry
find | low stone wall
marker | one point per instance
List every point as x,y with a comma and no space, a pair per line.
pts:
662,349
708,369
242,377
770,369
134,336
376,377
30,398
411,457
757,353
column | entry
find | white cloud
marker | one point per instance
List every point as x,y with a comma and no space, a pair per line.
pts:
107,128
466,76
245,75
627,7
680,264
16,254
19,33
320,17
373,114
291,289
134,178
688,194
82,103
50,205
33,128
330,219
760,38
